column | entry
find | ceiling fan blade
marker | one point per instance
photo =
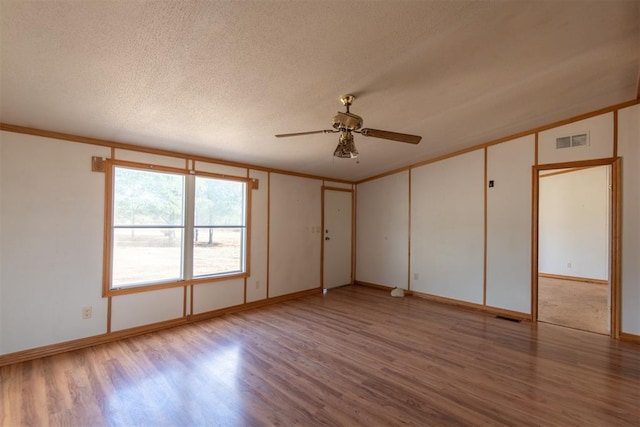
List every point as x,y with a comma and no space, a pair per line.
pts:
284,135
394,136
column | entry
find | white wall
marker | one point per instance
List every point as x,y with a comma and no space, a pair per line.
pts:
629,149
217,295
382,231
1,246
128,311
52,219
52,222
447,228
509,224
52,228
257,281
600,129
446,220
295,220
574,223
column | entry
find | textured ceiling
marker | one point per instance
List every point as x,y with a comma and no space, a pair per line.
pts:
219,79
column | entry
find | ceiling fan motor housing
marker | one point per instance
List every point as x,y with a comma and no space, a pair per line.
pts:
347,121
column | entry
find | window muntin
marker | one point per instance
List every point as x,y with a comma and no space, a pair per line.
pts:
168,226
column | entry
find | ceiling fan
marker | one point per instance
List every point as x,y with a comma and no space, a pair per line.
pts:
346,123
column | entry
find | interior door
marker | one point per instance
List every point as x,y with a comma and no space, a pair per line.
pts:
337,237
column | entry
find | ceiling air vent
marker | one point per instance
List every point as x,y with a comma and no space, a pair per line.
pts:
577,140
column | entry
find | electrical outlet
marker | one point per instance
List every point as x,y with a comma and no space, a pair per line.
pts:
568,265
415,276
86,312
257,284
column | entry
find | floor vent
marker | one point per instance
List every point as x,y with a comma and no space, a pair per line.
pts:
510,319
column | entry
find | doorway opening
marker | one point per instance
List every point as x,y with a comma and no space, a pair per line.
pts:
575,278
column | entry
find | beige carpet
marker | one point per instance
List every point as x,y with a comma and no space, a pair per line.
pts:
579,305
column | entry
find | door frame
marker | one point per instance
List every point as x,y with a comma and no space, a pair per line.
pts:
614,233
353,232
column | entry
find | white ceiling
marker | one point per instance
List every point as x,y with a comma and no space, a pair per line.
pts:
220,78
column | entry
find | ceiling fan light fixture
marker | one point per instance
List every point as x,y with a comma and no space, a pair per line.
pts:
346,123
346,148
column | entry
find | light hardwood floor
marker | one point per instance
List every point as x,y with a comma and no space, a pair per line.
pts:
574,304
354,356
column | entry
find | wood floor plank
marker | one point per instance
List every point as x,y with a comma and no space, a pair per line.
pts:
354,356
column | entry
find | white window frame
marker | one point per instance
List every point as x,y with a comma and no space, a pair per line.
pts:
188,230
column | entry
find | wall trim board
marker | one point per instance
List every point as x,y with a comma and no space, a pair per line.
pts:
409,232
574,278
457,303
244,291
378,286
149,150
354,234
615,133
478,307
50,350
426,162
615,251
580,164
535,131
184,302
251,305
322,225
268,230
191,299
624,336
109,307
485,208
77,344
132,147
535,191
546,175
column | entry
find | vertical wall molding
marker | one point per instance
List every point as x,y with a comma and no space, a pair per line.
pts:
409,233
615,133
485,195
268,229
615,267
534,238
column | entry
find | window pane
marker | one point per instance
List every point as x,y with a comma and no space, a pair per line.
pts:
147,198
142,255
217,251
219,202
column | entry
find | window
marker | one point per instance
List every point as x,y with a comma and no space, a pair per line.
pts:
219,226
168,227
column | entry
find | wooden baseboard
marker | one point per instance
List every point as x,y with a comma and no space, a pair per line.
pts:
378,286
251,305
50,350
473,306
630,337
463,304
574,278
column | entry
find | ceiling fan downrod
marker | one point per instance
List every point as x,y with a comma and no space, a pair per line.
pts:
347,100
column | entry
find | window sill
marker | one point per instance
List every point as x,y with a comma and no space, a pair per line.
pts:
173,284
